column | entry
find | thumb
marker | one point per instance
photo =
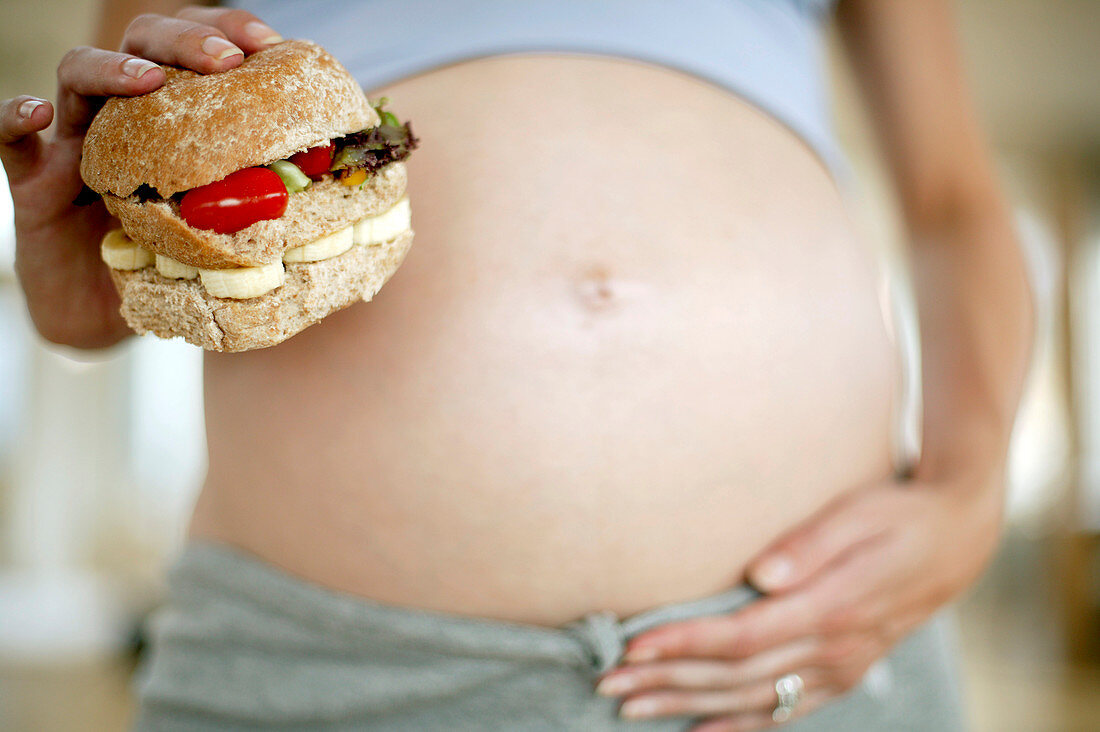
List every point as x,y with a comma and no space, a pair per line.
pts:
21,119
825,537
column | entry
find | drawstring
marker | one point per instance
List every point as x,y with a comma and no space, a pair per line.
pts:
602,637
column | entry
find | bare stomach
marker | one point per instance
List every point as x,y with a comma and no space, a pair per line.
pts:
636,339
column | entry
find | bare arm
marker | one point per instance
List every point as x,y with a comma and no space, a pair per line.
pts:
972,291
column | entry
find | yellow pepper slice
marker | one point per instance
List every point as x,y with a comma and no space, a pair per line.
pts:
355,178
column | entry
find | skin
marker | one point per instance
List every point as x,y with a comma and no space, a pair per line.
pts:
866,557
527,393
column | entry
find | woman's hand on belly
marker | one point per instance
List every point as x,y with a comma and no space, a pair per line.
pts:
841,590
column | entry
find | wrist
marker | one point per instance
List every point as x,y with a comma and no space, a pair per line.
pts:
967,466
967,426
80,314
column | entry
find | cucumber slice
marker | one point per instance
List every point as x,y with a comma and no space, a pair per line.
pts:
293,177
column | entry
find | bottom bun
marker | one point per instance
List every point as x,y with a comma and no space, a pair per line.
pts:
312,290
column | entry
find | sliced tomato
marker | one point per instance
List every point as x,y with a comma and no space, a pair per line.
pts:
236,201
315,161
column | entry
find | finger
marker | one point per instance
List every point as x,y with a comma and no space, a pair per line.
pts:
767,623
23,116
756,697
88,74
678,674
696,674
815,544
240,26
21,119
851,596
180,42
746,722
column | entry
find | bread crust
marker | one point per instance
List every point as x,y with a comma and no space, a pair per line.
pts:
199,128
313,290
321,209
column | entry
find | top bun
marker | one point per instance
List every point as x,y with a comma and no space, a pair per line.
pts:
199,128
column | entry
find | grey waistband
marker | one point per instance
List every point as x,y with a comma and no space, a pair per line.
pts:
214,573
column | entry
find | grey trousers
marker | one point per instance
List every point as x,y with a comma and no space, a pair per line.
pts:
241,645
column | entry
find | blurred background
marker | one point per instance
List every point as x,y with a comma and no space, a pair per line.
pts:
101,455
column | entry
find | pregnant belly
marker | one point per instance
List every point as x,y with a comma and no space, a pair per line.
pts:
635,340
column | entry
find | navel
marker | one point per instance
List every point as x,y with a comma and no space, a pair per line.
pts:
596,290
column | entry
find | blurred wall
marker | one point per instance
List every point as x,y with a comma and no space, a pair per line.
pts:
33,36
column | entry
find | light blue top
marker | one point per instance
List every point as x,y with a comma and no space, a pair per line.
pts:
767,51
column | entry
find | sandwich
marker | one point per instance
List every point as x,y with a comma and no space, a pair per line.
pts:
252,202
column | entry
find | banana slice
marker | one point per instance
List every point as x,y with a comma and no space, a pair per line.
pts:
326,247
243,282
120,252
383,227
173,270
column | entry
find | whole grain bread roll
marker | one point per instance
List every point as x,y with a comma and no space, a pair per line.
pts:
142,153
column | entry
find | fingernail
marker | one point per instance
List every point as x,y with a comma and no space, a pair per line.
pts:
615,685
641,655
26,109
219,48
262,32
137,67
638,709
773,572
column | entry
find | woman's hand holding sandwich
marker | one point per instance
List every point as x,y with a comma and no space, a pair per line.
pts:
69,292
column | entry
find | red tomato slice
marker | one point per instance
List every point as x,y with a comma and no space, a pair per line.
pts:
236,201
315,161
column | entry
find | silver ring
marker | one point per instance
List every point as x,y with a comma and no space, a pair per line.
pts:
789,690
